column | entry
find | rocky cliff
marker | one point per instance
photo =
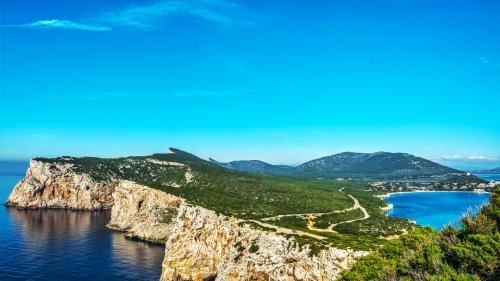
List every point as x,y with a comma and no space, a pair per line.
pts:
53,185
143,213
199,243
205,245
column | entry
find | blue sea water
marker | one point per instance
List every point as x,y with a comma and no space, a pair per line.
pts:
69,245
435,209
489,177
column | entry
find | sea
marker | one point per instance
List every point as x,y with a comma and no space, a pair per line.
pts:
436,209
489,177
68,245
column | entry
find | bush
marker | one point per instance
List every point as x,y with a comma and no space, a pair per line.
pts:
469,253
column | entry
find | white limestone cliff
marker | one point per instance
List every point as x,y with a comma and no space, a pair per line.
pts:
142,212
199,243
205,245
54,185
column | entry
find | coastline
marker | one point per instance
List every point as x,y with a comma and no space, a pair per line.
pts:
390,206
386,195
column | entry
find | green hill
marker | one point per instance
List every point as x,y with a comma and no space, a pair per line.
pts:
255,166
379,165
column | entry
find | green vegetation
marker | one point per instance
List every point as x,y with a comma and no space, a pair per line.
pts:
254,248
361,166
469,253
253,197
167,215
325,221
379,224
299,223
228,192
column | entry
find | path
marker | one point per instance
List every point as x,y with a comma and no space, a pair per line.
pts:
312,216
288,230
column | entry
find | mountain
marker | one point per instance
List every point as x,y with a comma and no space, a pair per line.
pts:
491,171
255,166
378,165
246,196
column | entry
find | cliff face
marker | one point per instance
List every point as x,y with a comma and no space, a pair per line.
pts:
206,245
143,213
199,243
51,185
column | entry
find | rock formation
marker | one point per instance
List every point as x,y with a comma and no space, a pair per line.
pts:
143,213
53,185
199,243
205,245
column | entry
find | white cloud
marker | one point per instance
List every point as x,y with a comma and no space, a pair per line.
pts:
453,157
58,23
147,16
481,157
486,61
472,158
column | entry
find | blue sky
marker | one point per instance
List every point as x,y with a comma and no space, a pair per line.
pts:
284,82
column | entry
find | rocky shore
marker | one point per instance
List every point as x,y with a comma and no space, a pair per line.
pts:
53,185
199,243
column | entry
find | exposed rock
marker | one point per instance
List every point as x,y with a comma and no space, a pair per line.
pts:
200,244
52,185
143,213
207,245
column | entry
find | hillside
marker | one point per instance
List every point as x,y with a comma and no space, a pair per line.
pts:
255,166
469,253
490,171
379,165
325,213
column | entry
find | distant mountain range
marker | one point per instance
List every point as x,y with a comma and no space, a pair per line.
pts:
255,166
491,171
378,165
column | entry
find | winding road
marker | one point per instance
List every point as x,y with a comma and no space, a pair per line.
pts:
311,217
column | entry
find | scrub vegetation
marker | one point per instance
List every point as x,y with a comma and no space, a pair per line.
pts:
471,252
257,197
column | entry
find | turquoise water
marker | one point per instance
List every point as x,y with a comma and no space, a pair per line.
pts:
435,209
69,245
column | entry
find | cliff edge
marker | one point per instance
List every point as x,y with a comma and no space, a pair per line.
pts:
55,185
200,244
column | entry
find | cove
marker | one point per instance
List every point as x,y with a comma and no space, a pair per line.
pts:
52,244
435,209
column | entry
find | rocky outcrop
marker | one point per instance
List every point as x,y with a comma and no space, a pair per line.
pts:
199,243
205,245
55,185
143,213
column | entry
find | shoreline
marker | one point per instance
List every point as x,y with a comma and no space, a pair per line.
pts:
388,194
390,206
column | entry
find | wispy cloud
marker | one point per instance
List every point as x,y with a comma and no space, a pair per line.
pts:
471,157
63,24
148,16
486,61
481,157
452,157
